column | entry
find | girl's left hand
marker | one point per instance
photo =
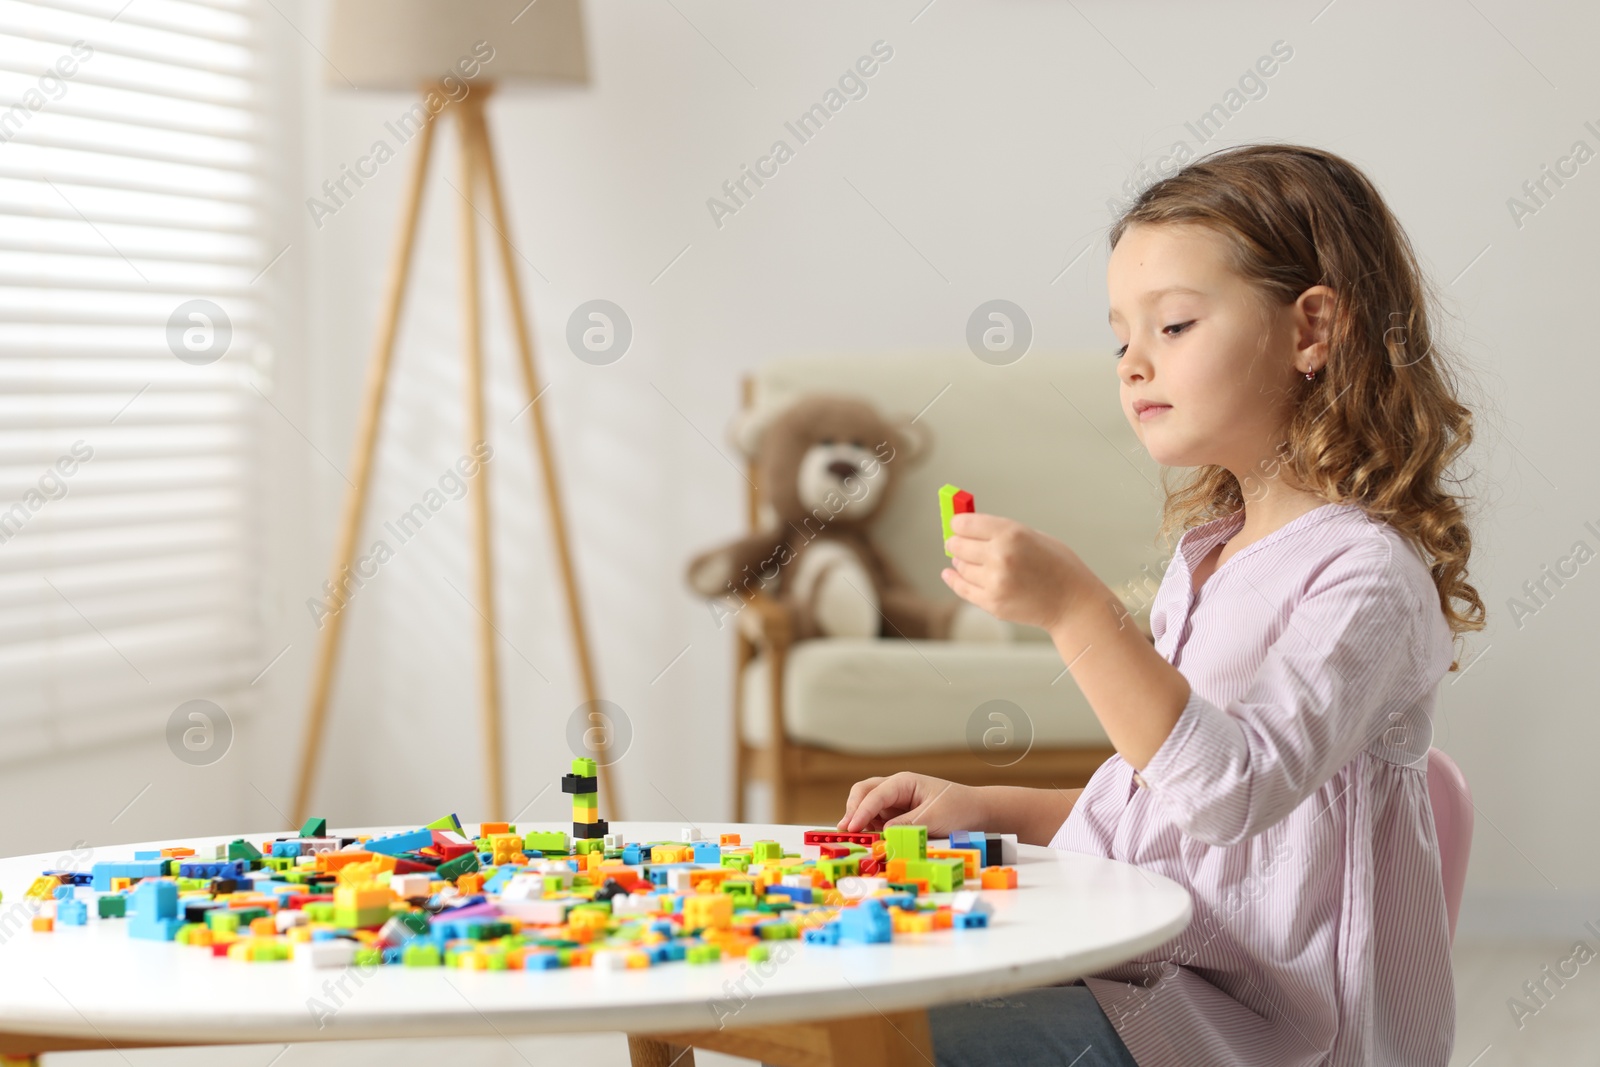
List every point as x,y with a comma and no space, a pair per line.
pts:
1013,571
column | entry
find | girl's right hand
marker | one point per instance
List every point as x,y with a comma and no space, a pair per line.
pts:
907,799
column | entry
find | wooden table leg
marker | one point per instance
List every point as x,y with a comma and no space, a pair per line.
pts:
896,1039
648,1052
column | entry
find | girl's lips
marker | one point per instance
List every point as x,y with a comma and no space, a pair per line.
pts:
1153,410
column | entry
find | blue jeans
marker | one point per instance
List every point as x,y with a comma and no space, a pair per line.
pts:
1058,1025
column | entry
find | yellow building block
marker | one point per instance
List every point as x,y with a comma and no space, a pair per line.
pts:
708,910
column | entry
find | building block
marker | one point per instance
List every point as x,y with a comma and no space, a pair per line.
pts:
868,922
449,823
331,952
998,878
971,861
585,767
906,842
708,911
104,872
154,906
942,875
394,844
969,902
314,828
544,841
953,501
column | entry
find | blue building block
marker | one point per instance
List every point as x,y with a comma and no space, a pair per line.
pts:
289,849
658,873
102,873
800,894
405,841
72,913
72,877
64,892
154,906
969,921
215,869
148,854
633,855
867,922
540,961
826,934
708,852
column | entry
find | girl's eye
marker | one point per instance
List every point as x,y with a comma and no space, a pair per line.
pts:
1171,331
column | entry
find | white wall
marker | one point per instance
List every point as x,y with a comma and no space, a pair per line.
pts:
979,165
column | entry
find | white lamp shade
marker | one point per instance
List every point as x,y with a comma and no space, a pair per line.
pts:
399,44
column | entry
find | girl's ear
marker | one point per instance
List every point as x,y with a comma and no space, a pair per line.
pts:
1314,312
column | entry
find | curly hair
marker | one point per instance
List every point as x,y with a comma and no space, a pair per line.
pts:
1382,424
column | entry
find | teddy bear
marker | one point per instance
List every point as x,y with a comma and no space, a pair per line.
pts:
826,467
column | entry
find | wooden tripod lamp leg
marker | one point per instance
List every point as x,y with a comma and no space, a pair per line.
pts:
541,438
469,118
355,499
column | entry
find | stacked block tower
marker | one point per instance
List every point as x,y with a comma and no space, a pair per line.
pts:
584,786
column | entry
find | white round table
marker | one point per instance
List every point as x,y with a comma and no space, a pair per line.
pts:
96,986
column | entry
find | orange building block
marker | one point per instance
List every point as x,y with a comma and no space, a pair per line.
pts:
999,878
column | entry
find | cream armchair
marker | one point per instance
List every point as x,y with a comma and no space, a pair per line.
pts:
1043,441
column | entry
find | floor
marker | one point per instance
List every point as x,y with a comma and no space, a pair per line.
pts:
1563,1028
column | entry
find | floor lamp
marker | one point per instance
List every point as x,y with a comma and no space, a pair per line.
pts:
457,50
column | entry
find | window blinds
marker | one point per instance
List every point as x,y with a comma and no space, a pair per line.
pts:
130,296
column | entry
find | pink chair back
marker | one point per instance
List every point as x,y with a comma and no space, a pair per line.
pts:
1452,825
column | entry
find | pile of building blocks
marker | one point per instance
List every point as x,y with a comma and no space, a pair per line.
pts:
535,900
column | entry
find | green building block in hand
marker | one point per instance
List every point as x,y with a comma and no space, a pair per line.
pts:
953,501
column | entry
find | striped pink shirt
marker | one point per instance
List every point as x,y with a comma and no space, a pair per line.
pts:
1291,801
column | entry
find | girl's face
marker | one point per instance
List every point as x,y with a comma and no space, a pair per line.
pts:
1197,340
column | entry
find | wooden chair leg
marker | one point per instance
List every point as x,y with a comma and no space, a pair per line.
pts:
648,1052
777,769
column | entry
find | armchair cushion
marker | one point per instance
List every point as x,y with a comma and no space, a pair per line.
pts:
869,696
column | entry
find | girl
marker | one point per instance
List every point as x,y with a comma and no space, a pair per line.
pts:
1271,746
